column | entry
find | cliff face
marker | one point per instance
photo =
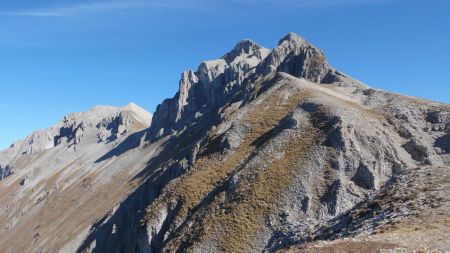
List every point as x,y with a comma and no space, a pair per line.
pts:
217,81
259,150
212,85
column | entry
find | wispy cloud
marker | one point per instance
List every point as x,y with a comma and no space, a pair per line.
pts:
122,5
330,3
308,4
91,8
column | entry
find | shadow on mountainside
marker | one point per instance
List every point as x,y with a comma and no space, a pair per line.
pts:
443,143
113,233
117,232
124,230
131,142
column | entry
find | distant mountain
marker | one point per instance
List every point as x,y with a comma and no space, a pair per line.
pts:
260,150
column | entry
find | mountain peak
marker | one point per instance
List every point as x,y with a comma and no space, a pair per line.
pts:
248,48
131,105
142,115
246,45
216,81
293,38
99,124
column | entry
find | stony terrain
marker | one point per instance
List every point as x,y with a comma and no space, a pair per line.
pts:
259,151
409,214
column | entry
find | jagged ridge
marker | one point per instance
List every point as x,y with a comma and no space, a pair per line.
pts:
100,124
217,81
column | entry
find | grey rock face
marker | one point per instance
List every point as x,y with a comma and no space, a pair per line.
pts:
364,177
443,143
234,137
216,81
296,56
212,85
436,117
419,152
5,172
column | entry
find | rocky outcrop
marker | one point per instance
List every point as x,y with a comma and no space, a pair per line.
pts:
212,85
418,151
443,143
5,172
412,205
296,56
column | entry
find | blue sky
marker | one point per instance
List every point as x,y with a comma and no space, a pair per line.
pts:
63,56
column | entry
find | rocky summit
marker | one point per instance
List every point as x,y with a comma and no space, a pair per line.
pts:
259,151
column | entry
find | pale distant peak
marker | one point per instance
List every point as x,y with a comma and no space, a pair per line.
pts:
140,113
294,39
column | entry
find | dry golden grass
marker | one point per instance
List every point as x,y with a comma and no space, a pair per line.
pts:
211,170
345,247
65,213
240,220
260,197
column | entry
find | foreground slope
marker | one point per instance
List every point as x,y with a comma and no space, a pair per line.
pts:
409,214
260,150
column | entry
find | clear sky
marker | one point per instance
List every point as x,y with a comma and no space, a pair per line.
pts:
63,56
